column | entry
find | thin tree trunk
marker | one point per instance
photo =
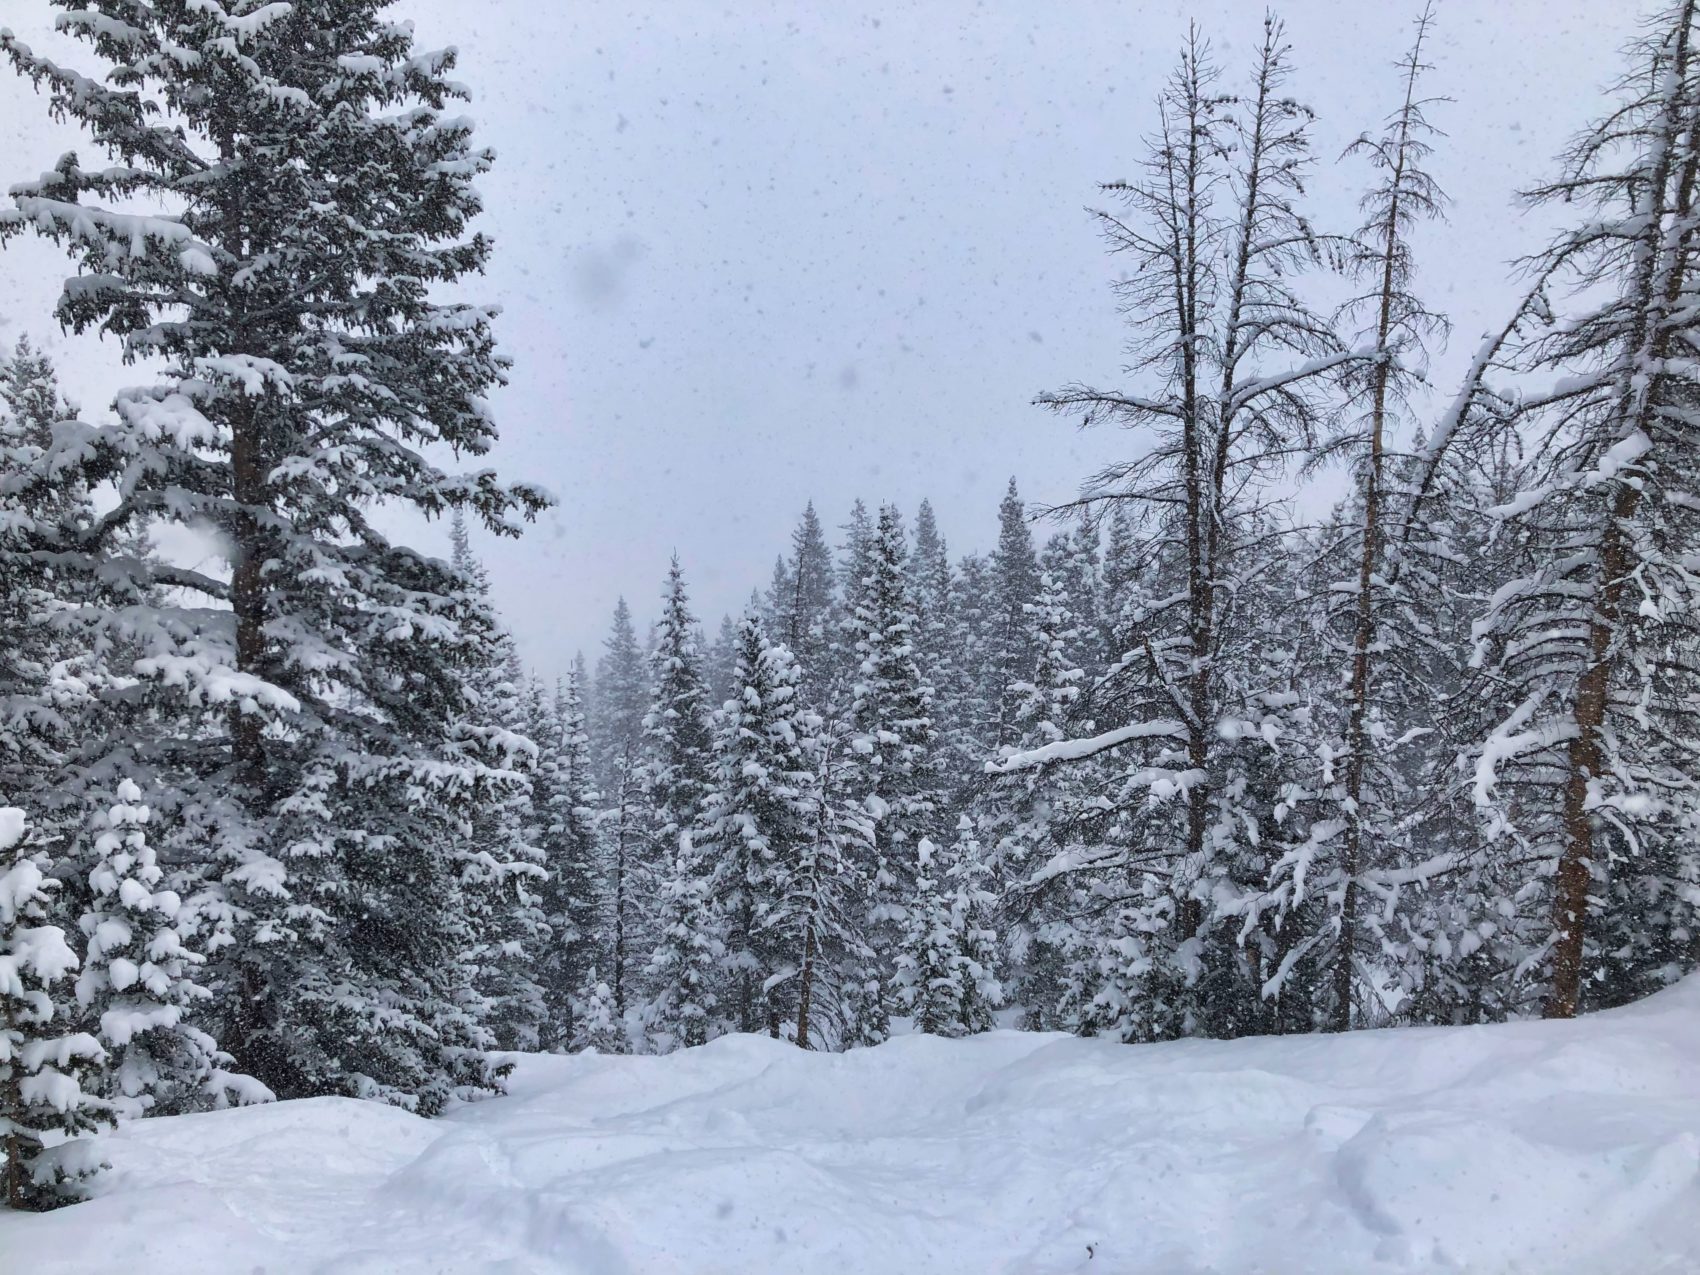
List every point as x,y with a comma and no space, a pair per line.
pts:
1364,626
1583,757
1199,601
1585,754
247,598
805,986
620,885
1369,560
12,1105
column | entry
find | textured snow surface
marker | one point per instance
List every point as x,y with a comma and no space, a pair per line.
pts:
1534,1147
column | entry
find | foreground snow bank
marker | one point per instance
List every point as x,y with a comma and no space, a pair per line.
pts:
1534,1147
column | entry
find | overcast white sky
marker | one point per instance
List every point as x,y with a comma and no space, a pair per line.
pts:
754,253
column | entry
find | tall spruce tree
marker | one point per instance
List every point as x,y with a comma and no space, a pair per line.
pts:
1009,656
621,702
502,868
316,195
803,606
894,746
938,645
677,744
574,893
756,820
821,921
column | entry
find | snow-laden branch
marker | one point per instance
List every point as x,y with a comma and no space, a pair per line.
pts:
1079,749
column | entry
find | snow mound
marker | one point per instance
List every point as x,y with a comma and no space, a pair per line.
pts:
1532,1147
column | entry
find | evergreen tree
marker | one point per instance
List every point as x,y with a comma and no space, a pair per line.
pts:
46,1069
596,1021
502,869
938,646
854,567
819,923
573,893
803,606
720,662
138,978
757,818
688,956
317,196
622,701
44,678
1360,809
676,739
621,697
1121,568
893,747
967,710
1014,581
1033,813
1070,559
894,739
946,977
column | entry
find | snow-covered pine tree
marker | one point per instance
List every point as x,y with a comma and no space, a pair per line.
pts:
46,1066
962,724
855,562
619,699
938,648
677,744
684,967
315,193
1239,371
502,869
757,818
1596,647
930,585
1008,657
621,702
573,895
1120,569
894,744
891,714
597,1023
44,507
1471,932
719,664
820,923
138,981
946,977
804,606
1033,814
1070,559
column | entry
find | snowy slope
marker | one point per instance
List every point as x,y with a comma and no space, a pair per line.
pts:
1535,1147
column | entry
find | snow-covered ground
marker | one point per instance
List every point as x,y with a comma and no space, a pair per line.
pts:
1535,1147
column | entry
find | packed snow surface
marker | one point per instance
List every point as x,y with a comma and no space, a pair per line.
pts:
1533,1147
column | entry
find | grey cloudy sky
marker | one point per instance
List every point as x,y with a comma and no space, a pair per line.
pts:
755,253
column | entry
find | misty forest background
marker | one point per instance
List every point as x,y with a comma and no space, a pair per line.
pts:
1171,760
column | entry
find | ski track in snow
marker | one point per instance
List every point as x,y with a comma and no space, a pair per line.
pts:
1531,1147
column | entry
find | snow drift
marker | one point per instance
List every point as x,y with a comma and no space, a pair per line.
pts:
1532,1147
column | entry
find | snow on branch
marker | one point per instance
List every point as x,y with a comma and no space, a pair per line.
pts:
1079,749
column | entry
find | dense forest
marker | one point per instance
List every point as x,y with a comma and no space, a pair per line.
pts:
1181,757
